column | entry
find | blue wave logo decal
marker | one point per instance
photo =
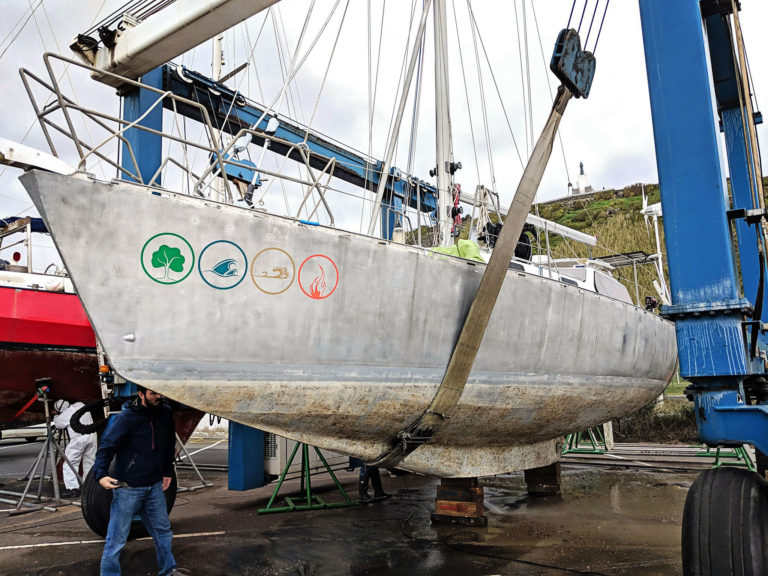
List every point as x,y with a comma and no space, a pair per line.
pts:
227,268
222,265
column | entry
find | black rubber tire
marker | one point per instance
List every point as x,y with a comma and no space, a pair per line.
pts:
725,524
761,463
95,502
79,427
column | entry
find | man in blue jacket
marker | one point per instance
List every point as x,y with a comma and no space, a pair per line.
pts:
142,440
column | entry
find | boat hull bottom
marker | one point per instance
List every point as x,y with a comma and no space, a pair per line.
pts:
494,429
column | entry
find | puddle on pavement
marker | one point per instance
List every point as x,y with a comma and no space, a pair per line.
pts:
613,522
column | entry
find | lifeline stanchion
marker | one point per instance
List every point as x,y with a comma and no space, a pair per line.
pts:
307,501
49,454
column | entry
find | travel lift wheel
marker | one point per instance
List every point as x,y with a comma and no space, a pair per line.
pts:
725,524
96,502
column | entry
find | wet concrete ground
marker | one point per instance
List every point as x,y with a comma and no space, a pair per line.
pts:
607,521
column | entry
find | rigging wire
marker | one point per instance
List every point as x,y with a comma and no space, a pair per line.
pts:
34,122
400,83
414,134
531,136
330,61
484,108
567,26
373,84
522,83
21,25
591,22
549,87
325,76
91,138
117,15
152,9
498,91
583,12
602,20
466,92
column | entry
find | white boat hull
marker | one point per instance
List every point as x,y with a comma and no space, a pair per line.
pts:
345,361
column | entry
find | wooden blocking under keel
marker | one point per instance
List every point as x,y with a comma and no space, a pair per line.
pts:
544,481
460,501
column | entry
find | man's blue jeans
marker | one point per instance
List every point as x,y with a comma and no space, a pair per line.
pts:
149,503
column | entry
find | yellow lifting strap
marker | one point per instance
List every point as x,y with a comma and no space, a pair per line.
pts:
464,353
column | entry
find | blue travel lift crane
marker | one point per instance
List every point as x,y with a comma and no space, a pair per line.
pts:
718,288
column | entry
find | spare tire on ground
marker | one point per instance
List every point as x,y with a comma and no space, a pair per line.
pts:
95,502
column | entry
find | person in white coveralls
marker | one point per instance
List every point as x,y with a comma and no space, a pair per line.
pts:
81,447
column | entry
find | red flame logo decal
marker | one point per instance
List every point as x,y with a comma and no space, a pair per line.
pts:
323,284
317,287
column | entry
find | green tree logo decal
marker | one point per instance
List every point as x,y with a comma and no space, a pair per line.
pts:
168,258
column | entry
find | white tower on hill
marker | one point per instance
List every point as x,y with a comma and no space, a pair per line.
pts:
582,185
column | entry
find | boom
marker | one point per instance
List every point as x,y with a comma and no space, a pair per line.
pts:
138,47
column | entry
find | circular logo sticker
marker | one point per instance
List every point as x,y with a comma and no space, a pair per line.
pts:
222,264
318,276
167,258
273,271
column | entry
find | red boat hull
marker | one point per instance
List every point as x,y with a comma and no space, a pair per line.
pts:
44,335
37,318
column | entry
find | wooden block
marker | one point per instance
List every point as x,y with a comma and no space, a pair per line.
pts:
450,508
460,482
460,494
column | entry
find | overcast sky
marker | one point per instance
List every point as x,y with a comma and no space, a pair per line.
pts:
610,132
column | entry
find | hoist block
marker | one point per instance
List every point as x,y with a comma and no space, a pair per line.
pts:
574,67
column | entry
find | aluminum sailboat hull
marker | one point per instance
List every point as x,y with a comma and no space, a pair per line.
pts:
341,340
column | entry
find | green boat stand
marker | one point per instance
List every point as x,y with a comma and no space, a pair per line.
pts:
734,456
305,500
590,441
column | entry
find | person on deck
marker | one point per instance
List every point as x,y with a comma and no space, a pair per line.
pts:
142,437
80,448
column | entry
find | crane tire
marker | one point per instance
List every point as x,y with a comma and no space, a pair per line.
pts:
725,524
761,463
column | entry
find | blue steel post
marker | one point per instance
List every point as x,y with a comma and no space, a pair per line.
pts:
706,303
738,147
146,147
246,457
709,311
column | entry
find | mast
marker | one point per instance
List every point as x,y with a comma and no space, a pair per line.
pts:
444,149
392,143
